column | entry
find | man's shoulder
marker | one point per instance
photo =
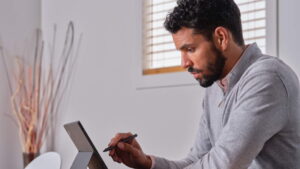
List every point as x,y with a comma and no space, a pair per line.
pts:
269,65
264,64
269,69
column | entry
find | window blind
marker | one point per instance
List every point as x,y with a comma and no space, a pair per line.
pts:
160,55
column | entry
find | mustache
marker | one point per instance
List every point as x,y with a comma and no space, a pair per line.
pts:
193,70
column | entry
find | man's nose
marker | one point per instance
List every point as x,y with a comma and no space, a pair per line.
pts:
185,62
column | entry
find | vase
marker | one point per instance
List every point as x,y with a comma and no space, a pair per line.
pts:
28,157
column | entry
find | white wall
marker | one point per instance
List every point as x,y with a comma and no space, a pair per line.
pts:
289,26
18,20
104,95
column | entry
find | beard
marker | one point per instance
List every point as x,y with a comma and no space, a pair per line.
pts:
215,69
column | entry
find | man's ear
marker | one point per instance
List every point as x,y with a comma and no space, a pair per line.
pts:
221,38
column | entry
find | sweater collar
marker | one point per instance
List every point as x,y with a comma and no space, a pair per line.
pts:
250,54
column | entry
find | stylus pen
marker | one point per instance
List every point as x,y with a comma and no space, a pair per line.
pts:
124,140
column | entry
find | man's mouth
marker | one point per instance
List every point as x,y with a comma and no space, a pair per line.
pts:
193,70
196,75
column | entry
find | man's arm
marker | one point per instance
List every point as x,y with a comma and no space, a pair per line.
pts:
201,147
131,154
260,113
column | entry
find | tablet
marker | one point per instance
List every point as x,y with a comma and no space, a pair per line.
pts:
87,153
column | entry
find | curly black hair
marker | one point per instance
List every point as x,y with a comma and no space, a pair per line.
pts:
204,16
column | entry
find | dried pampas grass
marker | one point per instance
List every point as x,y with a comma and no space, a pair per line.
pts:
38,85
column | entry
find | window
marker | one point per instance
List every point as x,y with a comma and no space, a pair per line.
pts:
159,53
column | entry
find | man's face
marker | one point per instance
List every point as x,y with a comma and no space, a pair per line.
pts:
200,56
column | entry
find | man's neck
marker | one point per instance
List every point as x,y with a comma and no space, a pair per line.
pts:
232,57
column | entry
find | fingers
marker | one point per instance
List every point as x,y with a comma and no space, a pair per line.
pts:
114,141
136,156
129,153
127,148
115,156
112,152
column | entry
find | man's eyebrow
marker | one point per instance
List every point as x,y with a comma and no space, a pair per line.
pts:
185,46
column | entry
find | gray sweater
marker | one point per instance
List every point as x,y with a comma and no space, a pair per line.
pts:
254,124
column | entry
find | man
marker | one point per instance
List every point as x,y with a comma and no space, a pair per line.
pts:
251,107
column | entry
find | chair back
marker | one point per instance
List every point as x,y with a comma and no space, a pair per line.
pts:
49,160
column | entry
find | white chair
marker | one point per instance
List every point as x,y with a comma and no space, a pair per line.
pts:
49,160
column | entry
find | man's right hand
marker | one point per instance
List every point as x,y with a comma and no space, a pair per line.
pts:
130,153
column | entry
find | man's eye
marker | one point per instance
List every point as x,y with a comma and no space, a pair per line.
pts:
190,49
